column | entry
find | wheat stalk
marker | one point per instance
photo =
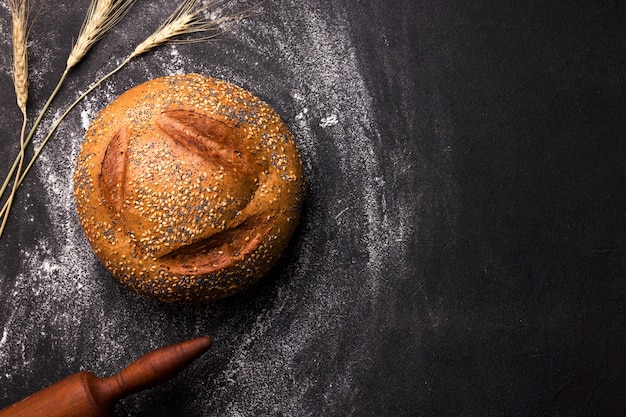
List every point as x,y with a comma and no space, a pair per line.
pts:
19,32
189,17
19,37
101,16
186,19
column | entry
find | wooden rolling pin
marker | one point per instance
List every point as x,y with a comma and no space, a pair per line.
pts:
84,394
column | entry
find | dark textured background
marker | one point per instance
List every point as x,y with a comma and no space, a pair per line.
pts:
462,246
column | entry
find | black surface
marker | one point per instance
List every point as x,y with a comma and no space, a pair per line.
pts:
461,250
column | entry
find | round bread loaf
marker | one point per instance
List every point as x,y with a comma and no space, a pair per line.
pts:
188,188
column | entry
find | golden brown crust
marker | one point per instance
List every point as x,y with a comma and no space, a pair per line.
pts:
188,188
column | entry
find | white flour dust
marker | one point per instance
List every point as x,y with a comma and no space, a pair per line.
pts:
331,120
329,92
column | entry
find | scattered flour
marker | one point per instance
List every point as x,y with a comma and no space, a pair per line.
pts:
328,121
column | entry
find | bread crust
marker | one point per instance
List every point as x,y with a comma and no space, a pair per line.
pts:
188,188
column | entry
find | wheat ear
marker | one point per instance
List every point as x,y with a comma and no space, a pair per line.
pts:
186,19
101,16
19,33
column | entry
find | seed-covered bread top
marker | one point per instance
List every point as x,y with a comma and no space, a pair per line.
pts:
188,188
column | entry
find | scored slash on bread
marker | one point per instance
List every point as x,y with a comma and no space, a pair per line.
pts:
209,138
188,188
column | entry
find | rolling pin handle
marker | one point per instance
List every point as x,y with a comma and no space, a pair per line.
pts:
85,395
155,367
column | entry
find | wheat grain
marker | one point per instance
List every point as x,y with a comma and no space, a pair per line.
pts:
186,19
19,33
101,16
19,22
